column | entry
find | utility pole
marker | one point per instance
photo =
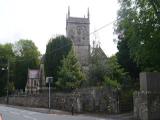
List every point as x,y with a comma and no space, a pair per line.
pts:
8,81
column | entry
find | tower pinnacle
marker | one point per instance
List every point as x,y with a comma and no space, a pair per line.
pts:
68,11
88,13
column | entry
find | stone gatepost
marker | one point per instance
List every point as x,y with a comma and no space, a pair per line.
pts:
147,100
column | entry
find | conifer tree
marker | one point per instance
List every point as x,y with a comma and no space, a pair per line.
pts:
70,75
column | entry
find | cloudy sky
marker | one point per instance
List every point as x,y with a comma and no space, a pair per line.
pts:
39,20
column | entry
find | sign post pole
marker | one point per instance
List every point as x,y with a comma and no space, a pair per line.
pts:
49,80
49,95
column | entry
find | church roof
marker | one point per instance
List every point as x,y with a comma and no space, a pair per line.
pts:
98,51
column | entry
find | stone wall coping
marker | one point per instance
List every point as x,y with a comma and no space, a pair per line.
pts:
149,72
138,93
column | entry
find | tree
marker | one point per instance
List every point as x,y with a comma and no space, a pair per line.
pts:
6,53
124,59
70,75
156,6
115,70
139,27
116,76
105,70
98,68
129,65
27,56
57,49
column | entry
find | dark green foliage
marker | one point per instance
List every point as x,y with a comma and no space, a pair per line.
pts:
6,53
3,80
111,82
124,59
98,68
129,65
57,49
27,56
139,27
105,70
116,74
97,73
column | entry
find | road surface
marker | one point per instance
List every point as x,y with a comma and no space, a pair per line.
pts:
9,113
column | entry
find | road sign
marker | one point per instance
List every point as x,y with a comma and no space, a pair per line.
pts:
49,79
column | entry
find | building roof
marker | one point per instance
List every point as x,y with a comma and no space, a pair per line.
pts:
33,73
99,52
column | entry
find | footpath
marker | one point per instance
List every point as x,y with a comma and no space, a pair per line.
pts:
125,116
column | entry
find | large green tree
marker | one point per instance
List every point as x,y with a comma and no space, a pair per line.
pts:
116,76
138,25
27,56
56,49
6,53
124,59
70,75
129,65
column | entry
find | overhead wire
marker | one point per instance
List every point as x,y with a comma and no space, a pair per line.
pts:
56,49
104,26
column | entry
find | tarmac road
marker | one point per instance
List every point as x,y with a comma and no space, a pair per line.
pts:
9,113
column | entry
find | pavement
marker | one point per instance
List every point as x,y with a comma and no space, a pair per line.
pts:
10,112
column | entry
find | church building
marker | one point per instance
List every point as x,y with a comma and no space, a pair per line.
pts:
78,30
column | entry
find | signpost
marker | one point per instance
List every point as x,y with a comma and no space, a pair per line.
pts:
49,80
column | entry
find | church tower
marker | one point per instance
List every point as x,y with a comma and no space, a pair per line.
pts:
77,29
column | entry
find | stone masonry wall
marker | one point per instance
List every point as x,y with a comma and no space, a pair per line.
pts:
87,100
140,106
83,100
147,100
146,106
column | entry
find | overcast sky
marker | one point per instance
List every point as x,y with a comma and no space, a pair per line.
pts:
39,20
